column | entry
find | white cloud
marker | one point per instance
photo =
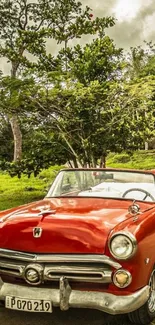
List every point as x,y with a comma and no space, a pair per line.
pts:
126,9
149,25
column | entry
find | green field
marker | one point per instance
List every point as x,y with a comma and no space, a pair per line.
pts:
14,191
138,160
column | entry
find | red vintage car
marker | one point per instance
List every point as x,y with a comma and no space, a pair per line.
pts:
89,244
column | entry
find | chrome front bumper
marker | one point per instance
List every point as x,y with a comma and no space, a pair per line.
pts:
65,297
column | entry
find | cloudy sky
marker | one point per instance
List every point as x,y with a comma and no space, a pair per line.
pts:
135,19
135,23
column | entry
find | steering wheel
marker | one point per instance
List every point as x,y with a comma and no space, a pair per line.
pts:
140,190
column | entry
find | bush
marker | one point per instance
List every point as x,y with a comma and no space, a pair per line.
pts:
141,159
121,158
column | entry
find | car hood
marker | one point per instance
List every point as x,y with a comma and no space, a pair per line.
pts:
71,225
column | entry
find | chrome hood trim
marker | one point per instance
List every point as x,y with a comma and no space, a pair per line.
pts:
59,258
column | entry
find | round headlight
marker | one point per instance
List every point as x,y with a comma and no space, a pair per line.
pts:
122,245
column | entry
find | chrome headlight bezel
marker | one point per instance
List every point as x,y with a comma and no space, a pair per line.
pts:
125,272
130,237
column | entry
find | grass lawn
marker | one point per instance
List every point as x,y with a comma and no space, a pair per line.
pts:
139,160
14,191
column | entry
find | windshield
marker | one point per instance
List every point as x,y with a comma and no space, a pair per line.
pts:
104,183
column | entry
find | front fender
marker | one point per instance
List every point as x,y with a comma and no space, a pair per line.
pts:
142,263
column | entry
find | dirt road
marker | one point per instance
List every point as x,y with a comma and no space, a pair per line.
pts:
71,317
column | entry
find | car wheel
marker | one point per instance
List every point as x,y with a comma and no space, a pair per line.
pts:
145,314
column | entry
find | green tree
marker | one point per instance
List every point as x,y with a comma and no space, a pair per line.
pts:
140,89
100,60
141,101
79,109
24,27
141,61
86,120
6,140
21,31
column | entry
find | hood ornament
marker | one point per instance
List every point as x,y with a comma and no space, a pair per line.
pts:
44,212
37,232
134,209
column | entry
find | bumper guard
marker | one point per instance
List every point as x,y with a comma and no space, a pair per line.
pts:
65,297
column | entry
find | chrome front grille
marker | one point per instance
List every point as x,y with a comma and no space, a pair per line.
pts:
78,273
10,267
78,268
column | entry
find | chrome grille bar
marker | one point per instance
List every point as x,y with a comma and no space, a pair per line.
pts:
78,273
59,258
11,269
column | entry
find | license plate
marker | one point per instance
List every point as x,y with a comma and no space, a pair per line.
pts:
24,304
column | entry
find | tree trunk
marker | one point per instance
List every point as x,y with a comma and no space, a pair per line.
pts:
17,135
75,162
146,146
103,161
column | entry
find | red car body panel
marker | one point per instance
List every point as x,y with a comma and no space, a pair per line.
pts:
78,225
